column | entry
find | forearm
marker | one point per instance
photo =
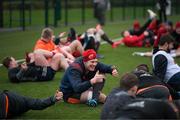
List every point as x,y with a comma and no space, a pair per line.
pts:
39,104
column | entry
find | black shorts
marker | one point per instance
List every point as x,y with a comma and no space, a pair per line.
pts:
73,95
47,74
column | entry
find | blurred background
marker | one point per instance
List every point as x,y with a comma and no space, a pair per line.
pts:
25,14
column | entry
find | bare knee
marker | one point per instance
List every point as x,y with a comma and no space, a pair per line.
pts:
102,97
58,56
37,55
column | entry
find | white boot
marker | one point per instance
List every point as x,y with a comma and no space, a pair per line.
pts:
151,14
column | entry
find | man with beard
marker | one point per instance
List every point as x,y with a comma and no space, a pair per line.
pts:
84,80
164,66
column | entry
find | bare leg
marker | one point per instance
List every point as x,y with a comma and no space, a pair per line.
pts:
58,61
31,56
102,98
40,60
76,46
85,96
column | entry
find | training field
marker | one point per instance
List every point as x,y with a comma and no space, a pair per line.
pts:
16,43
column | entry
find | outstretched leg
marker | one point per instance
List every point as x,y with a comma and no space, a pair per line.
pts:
76,46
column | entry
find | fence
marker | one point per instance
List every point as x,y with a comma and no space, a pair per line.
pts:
32,13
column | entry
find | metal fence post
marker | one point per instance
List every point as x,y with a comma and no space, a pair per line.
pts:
111,12
57,12
134,9
30,12
1,13
123,9
176,7
10,13
46,12
66,12
22,14
144,8
83,12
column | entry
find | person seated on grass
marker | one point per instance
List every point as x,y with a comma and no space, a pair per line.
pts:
13,104
47,44
151,86
122,104
84,79
38,69
164,65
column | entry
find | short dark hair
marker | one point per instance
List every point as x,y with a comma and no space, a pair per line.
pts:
6,61
141,69
167,38
128,80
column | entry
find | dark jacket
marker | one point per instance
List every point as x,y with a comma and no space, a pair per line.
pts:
114,102
77,80
20,104
33,73
151,86
119,105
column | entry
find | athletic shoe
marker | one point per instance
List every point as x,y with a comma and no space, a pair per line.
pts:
151,14
92,103
114,45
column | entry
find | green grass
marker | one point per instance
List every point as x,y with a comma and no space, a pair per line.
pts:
17,42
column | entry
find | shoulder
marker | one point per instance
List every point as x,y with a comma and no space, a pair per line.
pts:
39,41
77,64
160,54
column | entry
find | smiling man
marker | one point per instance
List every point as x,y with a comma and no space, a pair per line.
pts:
84,80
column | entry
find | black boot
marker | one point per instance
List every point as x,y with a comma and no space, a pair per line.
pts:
105,38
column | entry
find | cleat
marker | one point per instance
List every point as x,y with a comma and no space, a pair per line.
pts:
92,103
151,14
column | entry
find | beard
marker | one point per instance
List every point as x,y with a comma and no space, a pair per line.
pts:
168,50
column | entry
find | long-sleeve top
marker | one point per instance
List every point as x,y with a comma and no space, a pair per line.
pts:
133,40
18,104
32,73
164,66
76,78
120,105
